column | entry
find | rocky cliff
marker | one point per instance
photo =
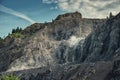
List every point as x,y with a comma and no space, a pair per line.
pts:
69,48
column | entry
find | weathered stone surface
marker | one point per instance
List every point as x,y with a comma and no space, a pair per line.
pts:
69,48
84,71
69,16
103,43
43,42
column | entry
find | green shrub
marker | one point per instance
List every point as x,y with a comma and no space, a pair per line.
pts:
17,35
9,77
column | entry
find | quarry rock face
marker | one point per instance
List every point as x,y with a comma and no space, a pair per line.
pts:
68,48
104,42
50,43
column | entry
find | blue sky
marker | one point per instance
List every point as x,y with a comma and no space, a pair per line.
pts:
22,13
34,9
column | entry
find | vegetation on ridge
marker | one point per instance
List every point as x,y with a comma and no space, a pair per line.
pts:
16,33
9,77
17,30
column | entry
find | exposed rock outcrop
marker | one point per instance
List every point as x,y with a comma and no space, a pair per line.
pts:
84,71
69,16
44,42
103,43
69,48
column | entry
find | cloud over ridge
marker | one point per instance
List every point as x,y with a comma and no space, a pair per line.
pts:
15,13
90,8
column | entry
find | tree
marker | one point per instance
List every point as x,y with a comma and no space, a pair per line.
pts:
111,15
20,29
13,30
1,39
17,30
107,17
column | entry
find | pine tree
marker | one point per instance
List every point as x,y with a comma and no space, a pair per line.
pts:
111,15
17,30
20,29
1,40
13,30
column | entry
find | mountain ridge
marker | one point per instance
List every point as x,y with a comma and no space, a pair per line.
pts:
72,48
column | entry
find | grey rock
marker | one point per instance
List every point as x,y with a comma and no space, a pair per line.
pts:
69,48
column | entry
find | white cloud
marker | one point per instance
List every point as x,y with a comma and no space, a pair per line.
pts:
15,13
50,1
89,8
53,8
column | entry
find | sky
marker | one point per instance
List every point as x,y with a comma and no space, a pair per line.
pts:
22,13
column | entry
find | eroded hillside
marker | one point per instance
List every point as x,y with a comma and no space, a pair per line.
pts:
68,48
49,43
